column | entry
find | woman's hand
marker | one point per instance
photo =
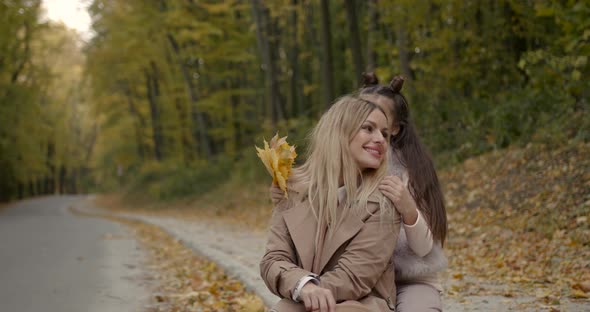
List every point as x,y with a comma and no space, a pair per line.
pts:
316,298
394,189
276,194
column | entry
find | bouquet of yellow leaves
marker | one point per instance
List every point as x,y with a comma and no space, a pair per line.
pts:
278,158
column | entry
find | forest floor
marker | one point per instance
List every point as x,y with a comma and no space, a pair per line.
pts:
519,227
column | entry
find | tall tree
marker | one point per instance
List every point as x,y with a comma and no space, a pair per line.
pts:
371,35
198,115
266,46
355,42
295,89
326,43
153,95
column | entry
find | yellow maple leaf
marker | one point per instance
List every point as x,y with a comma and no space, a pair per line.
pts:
576,293
278,158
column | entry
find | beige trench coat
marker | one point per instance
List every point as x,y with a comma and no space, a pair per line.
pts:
355,262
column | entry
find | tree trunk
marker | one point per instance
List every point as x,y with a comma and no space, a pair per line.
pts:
31,189
26,53
355,42
296,95
73,185
198,117
404,57
326,38
265,38
274,43
50,167
139,123
62,179
152,95
185,140
39,186
402,47
310,74
236,118
261,41
371,35
21,192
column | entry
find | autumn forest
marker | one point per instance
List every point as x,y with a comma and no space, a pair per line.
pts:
156,113
172,95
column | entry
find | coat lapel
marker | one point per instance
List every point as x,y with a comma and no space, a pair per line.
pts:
345,231
302,226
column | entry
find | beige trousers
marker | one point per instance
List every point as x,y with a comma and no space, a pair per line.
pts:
417,298
367,304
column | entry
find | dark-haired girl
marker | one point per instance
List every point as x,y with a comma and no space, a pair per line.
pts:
414,189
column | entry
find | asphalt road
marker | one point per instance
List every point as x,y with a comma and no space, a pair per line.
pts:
51,260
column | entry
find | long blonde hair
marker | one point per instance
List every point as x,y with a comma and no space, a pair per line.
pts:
329,158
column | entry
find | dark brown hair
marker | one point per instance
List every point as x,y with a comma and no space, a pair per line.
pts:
423,180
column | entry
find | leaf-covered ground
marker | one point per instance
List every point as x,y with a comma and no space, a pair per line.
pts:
184,281
519,219
190,283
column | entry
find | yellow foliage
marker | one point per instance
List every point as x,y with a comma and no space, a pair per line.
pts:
250,303
278,158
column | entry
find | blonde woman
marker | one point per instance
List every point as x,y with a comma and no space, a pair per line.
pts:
331,243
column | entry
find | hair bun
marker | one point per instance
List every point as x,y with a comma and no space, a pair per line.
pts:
370,79
396,84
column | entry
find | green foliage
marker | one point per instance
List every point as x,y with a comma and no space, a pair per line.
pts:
487,75
171,96
42,119
168,181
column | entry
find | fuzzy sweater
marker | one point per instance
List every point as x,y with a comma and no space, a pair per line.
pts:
417,258
412,268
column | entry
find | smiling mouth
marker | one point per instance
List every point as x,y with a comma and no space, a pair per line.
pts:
374,152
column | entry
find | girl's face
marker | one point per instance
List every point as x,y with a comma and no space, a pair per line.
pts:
369,144
386,105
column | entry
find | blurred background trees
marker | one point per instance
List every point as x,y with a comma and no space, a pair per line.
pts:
169,97
45,136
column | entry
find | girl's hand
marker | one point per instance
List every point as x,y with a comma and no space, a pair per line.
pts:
316,298
276,194
394,189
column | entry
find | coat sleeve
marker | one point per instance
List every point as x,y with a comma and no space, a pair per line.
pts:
278,267
365,259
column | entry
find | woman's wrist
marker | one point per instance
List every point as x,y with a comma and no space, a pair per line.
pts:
410,216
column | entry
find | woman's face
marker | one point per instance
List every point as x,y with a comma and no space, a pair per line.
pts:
369,144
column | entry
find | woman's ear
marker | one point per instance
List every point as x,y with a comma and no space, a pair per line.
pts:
394,130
